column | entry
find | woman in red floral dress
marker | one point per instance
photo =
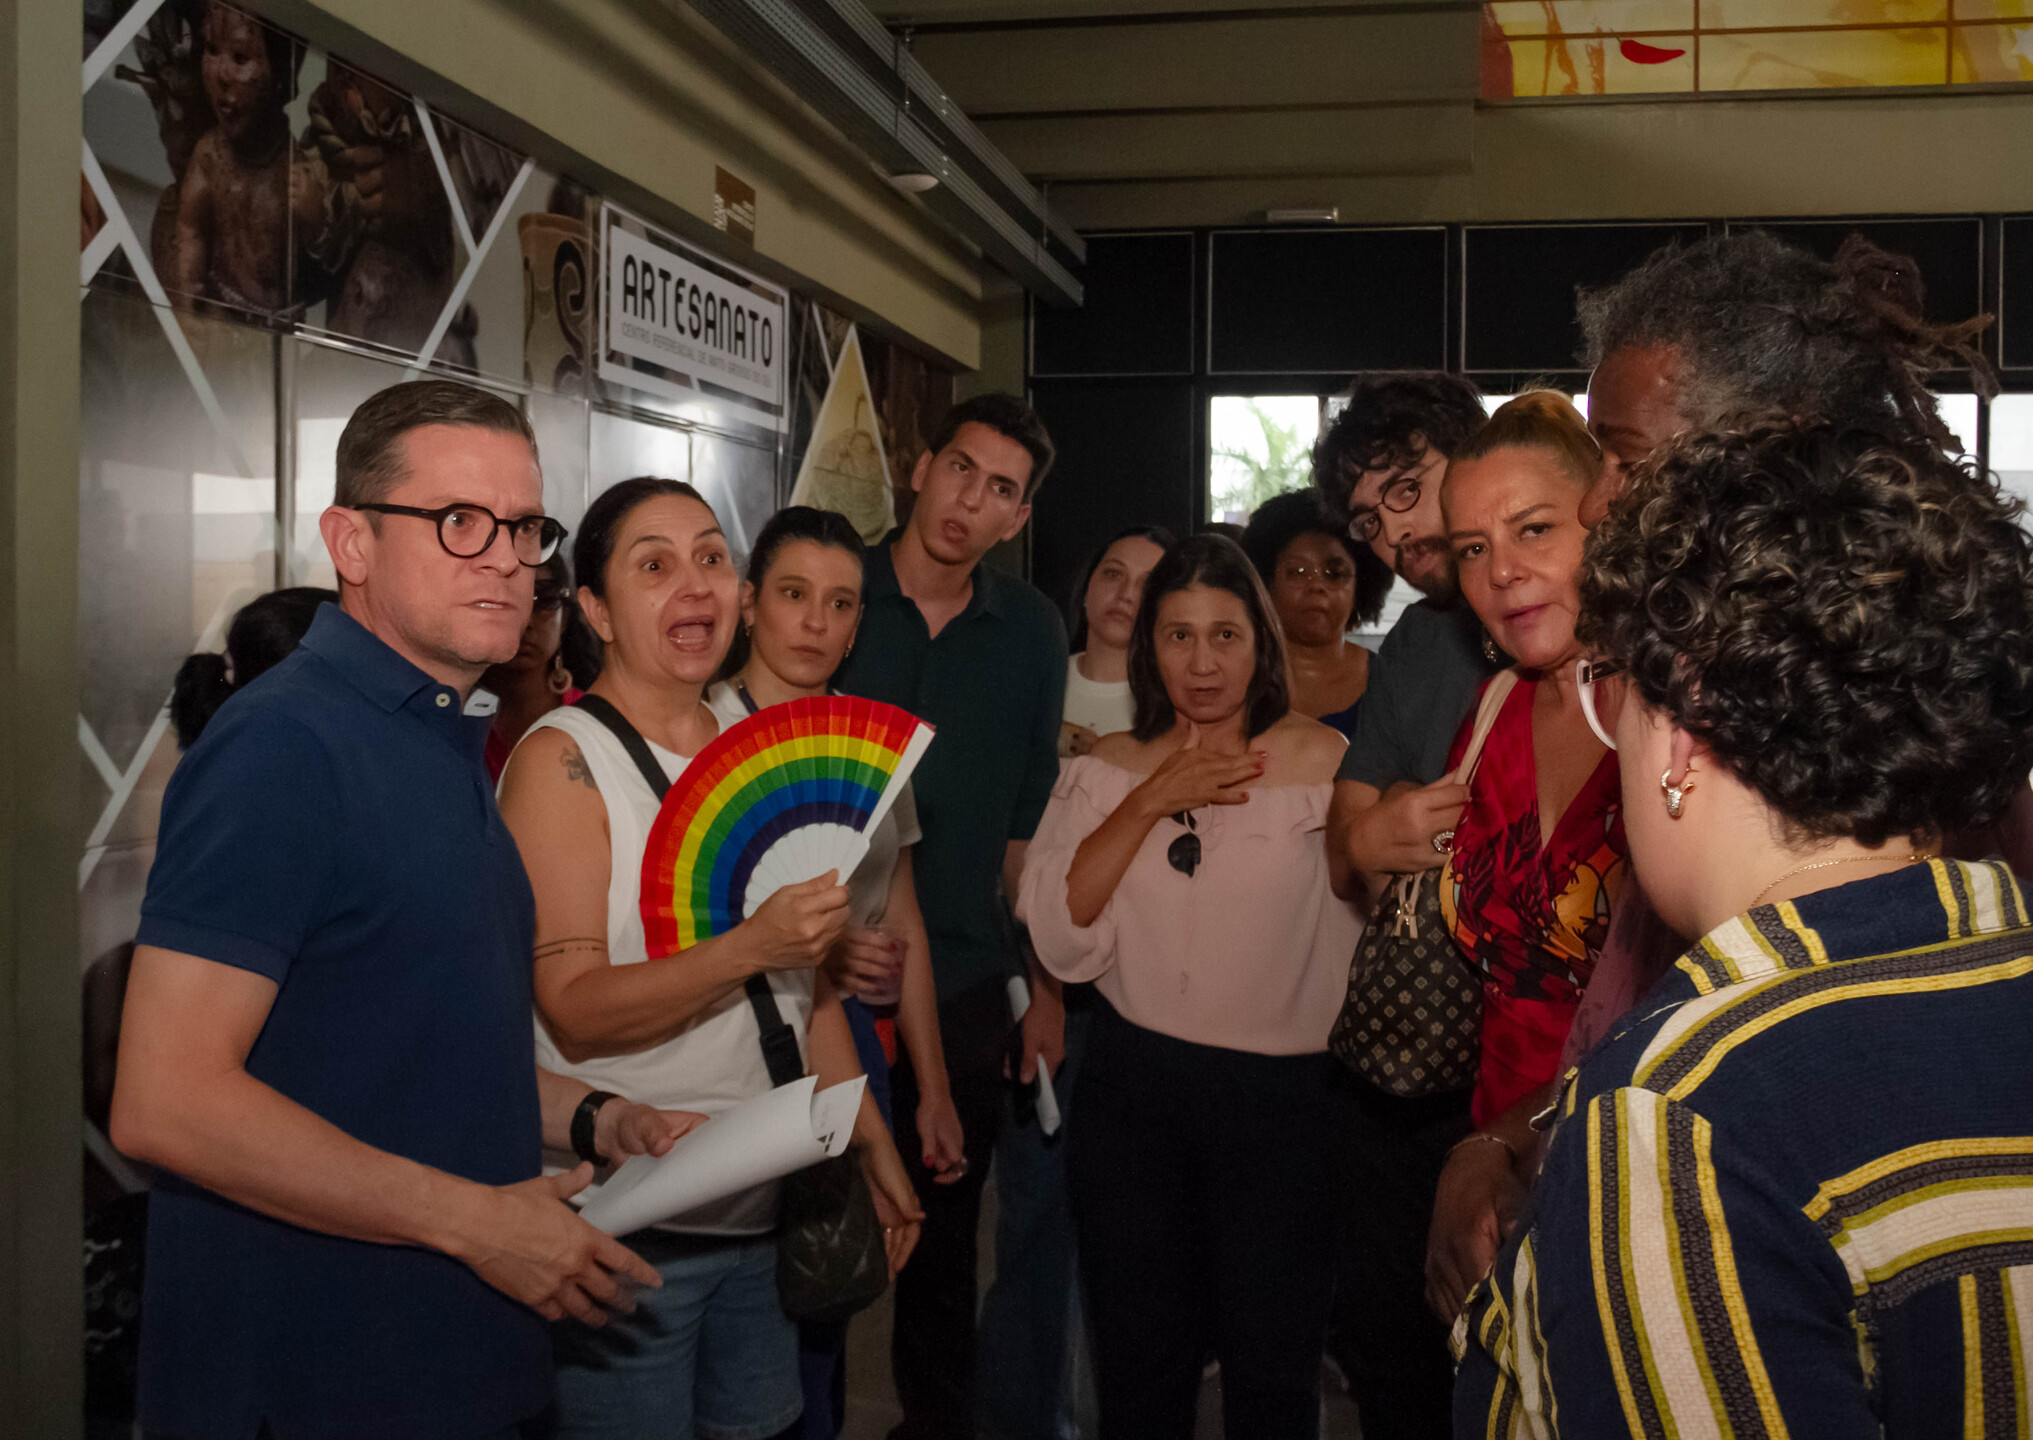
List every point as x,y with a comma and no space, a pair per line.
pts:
1538,854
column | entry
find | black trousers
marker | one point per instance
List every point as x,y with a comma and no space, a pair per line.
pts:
932,1341
1205,1183
1391,1347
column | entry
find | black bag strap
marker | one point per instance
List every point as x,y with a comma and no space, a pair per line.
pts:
631,740
779,1041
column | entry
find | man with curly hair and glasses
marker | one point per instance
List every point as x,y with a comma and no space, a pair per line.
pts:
1793,1192
1379,466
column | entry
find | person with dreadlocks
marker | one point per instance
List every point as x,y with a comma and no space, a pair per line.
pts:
1706,338
1746,324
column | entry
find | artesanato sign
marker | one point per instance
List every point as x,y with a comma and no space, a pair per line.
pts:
700,323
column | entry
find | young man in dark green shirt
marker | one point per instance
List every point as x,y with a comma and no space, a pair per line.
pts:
982,656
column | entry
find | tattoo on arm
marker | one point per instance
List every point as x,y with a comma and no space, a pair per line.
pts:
577,942
576,767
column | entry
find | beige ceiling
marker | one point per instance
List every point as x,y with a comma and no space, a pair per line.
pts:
1092,95
1142,113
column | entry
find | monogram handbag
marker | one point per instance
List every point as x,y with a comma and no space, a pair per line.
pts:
1412,1022
830,1259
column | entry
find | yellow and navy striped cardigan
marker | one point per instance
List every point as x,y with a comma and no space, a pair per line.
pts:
1794,1195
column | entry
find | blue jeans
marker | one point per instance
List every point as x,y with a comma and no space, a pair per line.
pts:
1031,1327
711,1354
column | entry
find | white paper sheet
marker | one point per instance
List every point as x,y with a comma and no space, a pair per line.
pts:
765,1138
1048,1099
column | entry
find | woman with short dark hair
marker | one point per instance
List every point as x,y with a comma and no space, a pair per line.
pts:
1322,584
1181,868
1794,1191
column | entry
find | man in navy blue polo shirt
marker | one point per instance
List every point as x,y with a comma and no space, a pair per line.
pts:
983,657
327,1046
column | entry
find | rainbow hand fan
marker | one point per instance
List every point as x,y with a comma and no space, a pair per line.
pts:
786,795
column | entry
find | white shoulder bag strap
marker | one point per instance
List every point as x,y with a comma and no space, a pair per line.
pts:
1407,886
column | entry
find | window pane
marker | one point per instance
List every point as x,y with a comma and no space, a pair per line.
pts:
2012,444
1989,54
1258,446
1761,14
1994,9
1582,17
1400,596
1490,403
1959,414
1654,65
1824,59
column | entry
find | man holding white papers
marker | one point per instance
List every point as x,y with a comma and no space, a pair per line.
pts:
326,1048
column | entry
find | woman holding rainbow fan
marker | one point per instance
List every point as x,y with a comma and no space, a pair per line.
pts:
712,1349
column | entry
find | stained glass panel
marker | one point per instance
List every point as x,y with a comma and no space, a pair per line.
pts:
1537,48
1602,66
1788,14
1824,59
1993,54
1586,17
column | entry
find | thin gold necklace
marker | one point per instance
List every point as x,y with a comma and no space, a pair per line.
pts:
1912,859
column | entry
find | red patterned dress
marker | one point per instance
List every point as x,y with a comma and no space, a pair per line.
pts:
1531,916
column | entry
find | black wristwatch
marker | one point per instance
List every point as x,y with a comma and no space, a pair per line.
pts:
582,1126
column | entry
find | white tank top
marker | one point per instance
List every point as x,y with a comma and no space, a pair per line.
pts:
715,1062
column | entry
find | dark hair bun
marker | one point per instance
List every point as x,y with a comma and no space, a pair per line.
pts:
263,633
201,687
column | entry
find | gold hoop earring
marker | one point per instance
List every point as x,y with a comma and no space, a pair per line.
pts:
1676,795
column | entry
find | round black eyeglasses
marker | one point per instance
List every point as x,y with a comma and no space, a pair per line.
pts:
468,530
1398,496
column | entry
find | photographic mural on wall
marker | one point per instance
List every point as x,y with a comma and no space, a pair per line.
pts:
268,234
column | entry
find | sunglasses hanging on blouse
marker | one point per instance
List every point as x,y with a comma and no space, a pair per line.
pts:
1183,854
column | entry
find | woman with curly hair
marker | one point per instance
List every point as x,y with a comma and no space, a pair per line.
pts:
1534,865
1793,1191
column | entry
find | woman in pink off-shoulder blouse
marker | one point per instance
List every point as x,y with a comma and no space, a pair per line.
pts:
1181,868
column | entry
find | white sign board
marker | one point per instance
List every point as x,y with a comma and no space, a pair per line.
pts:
706,322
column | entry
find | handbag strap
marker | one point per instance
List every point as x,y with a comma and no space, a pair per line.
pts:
779,1041
603,710
1494,695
